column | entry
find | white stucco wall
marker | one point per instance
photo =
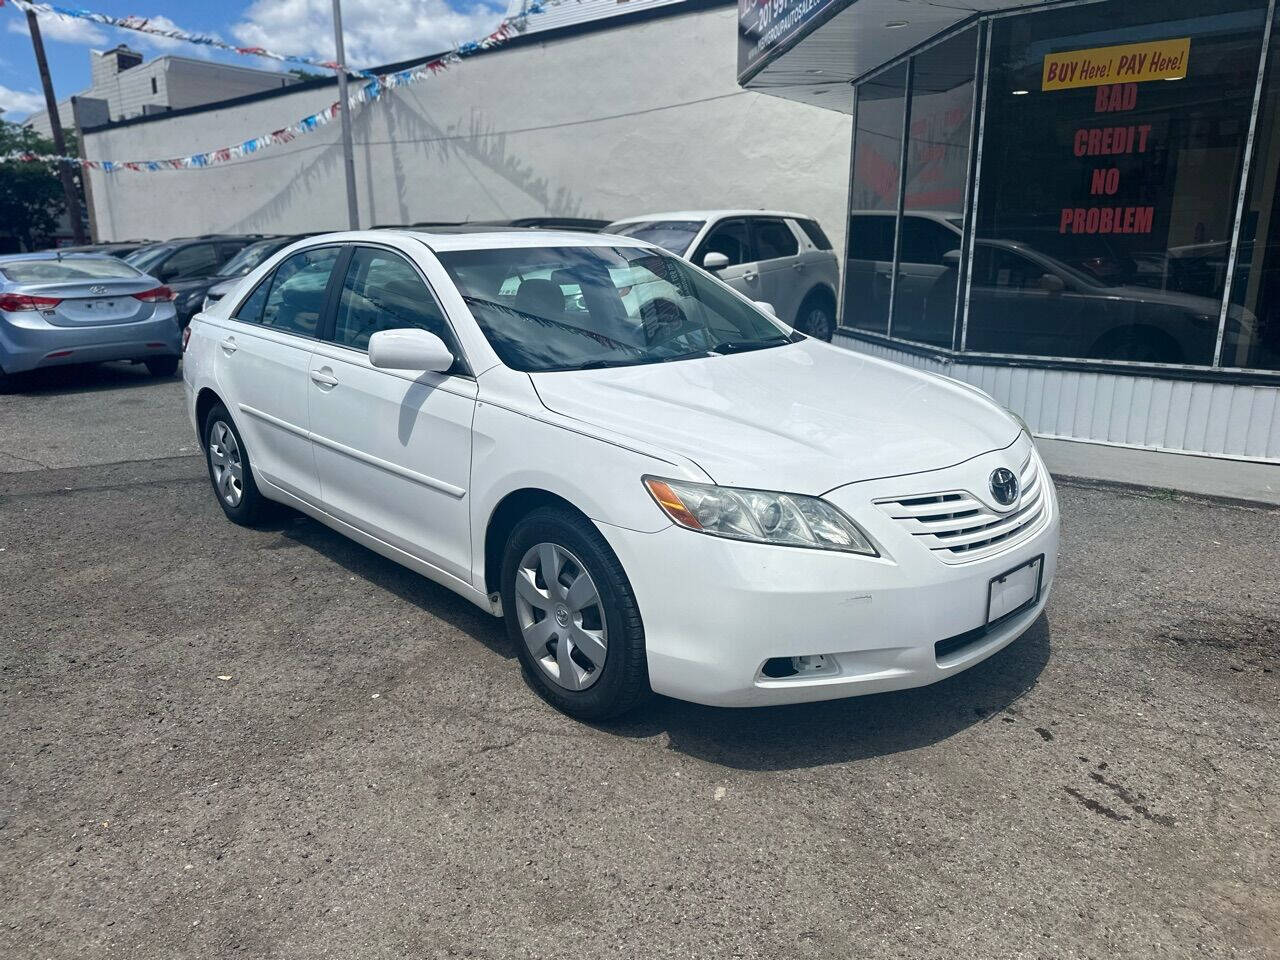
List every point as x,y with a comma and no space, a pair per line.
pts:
626,120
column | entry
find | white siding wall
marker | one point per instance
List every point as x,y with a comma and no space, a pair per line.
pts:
633,118
1180,416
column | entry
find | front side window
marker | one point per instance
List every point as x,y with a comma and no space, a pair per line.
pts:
578,308
730,237
1113,149
382,291
296,300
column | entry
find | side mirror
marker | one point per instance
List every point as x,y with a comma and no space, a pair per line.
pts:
409,349
715,261
1052,283
951,259
766,307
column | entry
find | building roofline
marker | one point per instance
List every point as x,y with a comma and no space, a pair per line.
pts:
524,39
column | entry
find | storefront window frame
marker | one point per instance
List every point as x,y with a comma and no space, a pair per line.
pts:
984,23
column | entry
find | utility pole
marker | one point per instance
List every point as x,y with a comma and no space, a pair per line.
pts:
59,143
344,110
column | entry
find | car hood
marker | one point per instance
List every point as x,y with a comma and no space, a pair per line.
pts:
805,418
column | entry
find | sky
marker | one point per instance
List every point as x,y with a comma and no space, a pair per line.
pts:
376,31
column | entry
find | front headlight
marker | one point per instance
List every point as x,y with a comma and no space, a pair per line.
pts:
759,516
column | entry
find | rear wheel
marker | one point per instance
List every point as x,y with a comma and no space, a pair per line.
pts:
229,469
817,316
162,366
572,616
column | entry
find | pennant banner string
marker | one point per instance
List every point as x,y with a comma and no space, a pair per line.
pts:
147,25
365,92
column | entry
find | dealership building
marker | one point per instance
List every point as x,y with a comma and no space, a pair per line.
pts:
1073,205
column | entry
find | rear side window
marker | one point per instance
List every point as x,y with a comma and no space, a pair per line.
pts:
194,261
250,311
815,234
296,301
382,291
774,239
871,238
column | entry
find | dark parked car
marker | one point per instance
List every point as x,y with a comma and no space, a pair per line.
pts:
119,248
225,280
188,266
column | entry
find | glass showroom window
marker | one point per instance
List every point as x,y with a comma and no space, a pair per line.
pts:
1252,334
1112,155
932,224
873,200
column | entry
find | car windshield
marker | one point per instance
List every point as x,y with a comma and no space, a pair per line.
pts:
72,268
673,235
148,257
250,257
580,308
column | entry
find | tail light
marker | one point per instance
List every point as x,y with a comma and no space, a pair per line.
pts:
16,302
186,337
156,295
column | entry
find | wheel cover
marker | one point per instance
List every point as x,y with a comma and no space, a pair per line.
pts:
225,462
818,322
561,617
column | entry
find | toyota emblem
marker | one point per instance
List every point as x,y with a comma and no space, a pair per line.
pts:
97,289
1004,486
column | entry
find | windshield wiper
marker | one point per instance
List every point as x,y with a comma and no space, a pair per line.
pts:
602,364
742,346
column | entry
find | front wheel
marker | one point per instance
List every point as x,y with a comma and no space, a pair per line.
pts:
572,616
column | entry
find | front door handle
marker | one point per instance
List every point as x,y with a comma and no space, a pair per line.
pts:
749,275
229,346
324,377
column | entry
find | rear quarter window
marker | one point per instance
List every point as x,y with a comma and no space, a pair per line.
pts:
815,234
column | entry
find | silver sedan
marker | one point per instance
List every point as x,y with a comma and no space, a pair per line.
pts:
83,308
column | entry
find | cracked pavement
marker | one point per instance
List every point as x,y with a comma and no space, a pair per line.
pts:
274,743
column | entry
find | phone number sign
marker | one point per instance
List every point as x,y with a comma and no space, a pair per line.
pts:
766,26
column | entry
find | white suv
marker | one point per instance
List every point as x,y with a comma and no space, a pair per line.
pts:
782,259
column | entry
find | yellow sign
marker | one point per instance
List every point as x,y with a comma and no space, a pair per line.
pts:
1127,63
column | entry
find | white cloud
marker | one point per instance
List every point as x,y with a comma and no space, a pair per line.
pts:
17,104
65,31
375,31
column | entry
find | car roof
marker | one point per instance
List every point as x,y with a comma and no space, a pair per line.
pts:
497,238
712,215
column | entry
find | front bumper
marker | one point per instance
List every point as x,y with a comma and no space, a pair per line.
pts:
28,342
715,610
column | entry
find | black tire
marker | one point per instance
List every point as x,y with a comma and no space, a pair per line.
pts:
623,681
251,507
817,316
6,381
162,366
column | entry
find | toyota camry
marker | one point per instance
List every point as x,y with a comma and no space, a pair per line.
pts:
656,483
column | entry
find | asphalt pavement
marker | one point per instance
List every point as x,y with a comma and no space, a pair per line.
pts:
220,742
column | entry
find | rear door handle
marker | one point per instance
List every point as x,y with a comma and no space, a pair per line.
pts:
797,267
229,346
324,377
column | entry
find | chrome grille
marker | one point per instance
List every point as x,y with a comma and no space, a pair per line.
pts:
958,527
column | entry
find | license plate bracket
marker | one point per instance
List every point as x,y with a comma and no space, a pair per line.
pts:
1015,590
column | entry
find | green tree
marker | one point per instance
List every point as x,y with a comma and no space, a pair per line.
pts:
31,198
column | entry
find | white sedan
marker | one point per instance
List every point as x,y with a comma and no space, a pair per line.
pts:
680,495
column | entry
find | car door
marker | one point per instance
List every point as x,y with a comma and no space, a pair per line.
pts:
783,274
393,447
733,238
262,362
